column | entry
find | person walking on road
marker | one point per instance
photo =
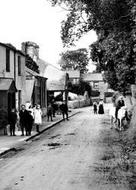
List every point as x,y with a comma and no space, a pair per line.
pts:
64,110
12,121
95,107
101,108
23,114
37,117
120,103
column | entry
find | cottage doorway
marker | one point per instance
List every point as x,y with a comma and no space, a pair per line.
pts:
11,101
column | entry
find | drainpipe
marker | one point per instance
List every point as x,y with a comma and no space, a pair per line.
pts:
15,67
15,73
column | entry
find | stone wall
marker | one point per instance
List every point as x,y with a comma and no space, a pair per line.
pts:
78,103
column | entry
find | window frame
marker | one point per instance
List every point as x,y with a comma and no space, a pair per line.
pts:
7,60
19,65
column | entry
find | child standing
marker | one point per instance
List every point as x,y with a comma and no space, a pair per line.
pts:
37,117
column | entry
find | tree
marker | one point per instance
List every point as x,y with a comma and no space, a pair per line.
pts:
80,88
115,56
76,60
114,22
31,64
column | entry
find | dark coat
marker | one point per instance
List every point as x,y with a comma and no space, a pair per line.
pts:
12,118
49,110
101,109
64,108
23,117
120,104
30,120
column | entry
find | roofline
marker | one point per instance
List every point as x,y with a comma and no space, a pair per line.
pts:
31,71
93,80
34,73
12,48
6,78
50,64
41,77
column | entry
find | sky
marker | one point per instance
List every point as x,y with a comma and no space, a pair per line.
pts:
37,21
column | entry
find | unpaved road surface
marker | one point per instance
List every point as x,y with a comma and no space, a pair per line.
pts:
80,154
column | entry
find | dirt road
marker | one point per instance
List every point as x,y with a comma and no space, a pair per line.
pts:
80,154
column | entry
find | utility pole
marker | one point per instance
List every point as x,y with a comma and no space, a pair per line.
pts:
66,87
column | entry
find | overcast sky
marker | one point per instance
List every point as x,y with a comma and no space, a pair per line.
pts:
37,21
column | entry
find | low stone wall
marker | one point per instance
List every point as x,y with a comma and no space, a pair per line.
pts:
78,103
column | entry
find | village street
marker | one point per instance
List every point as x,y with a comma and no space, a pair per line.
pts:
80,154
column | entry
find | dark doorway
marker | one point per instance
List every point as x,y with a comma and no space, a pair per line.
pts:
11,101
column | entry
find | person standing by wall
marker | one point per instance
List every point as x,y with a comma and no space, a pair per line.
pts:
23,114
12,121
64,110
37,117
49,112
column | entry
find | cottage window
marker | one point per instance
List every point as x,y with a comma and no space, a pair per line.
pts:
19,65
7,60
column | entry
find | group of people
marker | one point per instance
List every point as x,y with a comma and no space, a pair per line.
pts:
53,108
98,107
26,118
33,116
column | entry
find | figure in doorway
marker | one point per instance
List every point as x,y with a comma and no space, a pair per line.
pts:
12,121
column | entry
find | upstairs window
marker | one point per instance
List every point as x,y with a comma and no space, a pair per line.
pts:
19,65
7,60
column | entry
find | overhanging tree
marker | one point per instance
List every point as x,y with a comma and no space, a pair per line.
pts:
80,88
75,60
114,23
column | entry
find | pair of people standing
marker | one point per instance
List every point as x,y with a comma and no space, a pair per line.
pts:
64,110
99,109
30,117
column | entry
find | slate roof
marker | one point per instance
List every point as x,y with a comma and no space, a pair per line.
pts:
75,74
93,77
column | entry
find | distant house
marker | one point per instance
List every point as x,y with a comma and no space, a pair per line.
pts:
12,77
97,83
56,78
74,76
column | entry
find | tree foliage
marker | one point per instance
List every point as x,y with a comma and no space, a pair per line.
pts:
114,22
80,88
115,55
76,60
31,64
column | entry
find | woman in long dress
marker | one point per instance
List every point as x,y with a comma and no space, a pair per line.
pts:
101,108
37,117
